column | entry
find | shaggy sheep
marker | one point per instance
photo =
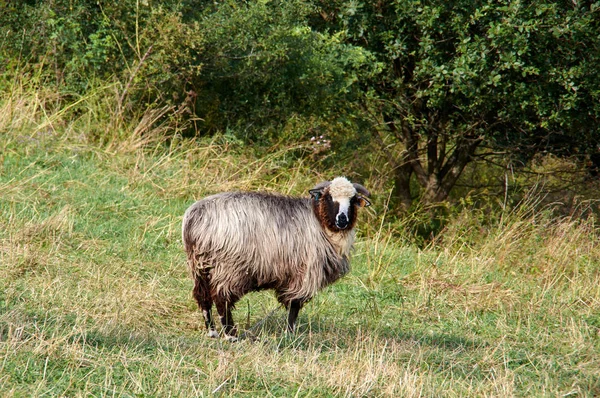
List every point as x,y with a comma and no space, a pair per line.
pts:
237,242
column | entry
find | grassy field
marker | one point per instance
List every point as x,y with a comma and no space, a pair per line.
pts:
95,299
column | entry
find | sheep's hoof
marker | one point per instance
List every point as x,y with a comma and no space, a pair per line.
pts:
231,339
213,334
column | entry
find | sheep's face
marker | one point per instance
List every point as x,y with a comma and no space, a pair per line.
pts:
336,203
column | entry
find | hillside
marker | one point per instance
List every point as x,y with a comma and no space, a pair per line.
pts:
95,299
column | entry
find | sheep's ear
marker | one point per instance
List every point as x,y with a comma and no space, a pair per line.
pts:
363,202
361,190
317,191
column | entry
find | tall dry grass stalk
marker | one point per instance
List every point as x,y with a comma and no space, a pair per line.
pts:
528,244
22,108
540,243
30,112
149,130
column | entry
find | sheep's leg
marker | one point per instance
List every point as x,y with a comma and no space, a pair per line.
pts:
224,309
295,306
202,295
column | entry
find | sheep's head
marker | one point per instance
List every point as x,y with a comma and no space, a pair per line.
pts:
336,202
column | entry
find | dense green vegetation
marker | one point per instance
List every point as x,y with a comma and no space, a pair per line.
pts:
475,125
431,88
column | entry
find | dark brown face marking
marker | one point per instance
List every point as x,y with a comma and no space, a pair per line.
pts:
326,210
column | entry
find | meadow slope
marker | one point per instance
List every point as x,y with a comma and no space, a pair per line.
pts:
95,298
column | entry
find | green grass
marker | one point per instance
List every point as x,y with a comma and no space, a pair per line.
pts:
95,299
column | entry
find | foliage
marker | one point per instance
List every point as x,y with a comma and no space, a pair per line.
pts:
463,76
421,89
241,66
263,61
73,45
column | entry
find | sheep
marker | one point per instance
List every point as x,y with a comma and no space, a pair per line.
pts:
238,242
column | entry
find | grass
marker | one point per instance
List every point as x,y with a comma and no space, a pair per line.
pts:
95,298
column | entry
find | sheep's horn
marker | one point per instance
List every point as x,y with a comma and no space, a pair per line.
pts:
361,190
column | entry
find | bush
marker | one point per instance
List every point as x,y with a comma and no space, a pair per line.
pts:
244,66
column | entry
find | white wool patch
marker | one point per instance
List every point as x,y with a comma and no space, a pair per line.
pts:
341,188
344,205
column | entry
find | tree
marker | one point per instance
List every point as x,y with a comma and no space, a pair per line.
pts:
461,79
262,63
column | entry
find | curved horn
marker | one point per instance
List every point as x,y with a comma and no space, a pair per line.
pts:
361,190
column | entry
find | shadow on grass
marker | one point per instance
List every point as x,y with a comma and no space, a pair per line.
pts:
329,334
314,331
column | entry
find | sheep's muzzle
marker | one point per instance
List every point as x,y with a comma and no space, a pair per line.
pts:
341,221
